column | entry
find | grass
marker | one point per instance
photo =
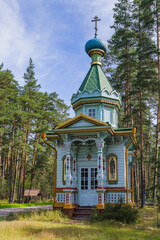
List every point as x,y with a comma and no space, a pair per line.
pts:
15,205
48,225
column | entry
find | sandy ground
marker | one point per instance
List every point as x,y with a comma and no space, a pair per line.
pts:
6,211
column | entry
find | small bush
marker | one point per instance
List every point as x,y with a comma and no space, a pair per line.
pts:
118,212
11,217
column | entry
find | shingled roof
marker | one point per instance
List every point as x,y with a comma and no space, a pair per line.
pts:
32,193
96,79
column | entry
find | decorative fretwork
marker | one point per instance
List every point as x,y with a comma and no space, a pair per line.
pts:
118,140
60,197
66,197
109,140
83,137
129,197
115,197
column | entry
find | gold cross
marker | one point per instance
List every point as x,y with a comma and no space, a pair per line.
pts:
95,20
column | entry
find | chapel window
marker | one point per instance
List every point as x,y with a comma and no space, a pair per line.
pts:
64,169
92,112
112,169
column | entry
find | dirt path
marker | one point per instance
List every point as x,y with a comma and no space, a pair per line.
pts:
6,211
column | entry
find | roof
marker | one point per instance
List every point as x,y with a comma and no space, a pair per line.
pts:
99,126
81,116
96,79
32,193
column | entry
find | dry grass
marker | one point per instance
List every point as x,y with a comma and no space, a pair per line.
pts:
34,230
148,217
43,225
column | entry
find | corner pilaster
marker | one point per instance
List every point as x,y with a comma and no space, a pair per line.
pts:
100,175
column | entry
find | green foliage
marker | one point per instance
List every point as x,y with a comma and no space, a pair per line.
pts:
132,66
118,212
25,112
17,205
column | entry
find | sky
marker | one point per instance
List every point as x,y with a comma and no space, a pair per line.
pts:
53,33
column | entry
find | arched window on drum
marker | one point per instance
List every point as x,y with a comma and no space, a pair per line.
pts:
112,169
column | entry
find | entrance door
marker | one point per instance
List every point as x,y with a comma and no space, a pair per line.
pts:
87,186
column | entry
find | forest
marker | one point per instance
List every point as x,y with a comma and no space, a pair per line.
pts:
25,112
133,67
132,64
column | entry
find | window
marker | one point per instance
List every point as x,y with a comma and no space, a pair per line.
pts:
92,112
64,169
94,183
112,169
84,178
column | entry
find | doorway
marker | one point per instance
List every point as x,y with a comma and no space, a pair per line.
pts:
87,186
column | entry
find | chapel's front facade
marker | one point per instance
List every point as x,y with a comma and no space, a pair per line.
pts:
93,156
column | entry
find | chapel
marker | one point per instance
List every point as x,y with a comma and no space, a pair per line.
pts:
93,156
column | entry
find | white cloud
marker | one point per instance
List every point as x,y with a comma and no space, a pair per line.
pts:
47,30
15,44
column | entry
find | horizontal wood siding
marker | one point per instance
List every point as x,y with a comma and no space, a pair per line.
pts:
82,123
61,152
119,151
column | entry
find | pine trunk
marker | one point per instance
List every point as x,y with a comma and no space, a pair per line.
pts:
25,161
33,162
0,154
158,110
141,145
20,181
11,164
15,176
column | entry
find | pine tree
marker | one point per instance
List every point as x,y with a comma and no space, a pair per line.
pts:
29,105
145,68
132,54
121,54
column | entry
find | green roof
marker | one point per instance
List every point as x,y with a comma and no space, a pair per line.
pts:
123,129
96,78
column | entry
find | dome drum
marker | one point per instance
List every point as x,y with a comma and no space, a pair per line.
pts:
96,51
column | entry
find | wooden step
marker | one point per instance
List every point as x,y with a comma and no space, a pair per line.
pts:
83,213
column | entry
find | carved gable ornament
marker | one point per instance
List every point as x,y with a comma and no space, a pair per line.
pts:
89,156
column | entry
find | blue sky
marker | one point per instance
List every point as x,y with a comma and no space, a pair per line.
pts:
53,33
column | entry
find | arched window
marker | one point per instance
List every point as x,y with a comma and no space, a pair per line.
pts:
64,169
112,169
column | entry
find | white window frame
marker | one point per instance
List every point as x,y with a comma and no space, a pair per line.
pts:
92,110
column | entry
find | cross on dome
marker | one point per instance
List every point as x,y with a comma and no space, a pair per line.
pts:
95,20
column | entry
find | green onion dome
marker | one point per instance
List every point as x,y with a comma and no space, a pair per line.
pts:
95,43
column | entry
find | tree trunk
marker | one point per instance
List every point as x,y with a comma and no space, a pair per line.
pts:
7,162
0,153
33,162
15,176
158,110
141,144
11,164
25,161
20,181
